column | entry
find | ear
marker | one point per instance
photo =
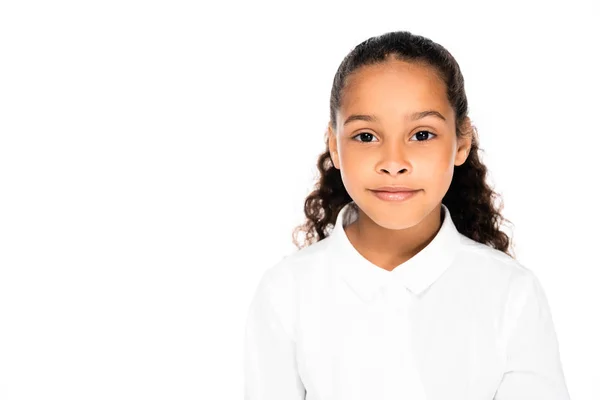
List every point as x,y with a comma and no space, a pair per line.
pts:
464,143
332,145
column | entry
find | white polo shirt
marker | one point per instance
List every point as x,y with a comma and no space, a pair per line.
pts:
458,321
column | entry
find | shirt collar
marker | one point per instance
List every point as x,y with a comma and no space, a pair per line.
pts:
415,275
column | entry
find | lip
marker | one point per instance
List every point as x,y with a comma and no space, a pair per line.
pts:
394,189
396,196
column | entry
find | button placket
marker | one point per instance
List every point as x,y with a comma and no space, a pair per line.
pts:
406,376
395,295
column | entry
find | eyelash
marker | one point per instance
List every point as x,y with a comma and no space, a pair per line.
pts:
368,133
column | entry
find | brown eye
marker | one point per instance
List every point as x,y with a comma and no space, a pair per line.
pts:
364,135
423,135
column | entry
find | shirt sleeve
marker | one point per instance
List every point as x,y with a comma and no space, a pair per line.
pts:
269,356
533,366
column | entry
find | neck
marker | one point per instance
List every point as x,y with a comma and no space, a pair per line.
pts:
388,248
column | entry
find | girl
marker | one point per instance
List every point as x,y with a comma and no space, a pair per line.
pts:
412,294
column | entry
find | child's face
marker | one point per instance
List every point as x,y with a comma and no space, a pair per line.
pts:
389,151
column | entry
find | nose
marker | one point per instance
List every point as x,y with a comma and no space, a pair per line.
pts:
394,161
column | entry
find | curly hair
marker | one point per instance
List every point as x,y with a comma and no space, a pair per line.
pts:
469,198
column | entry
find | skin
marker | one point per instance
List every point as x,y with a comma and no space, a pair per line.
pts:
391,151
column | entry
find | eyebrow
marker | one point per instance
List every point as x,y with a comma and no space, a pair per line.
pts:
414,116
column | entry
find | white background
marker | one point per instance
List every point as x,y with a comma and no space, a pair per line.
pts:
155,156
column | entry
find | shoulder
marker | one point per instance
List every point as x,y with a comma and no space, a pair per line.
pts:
280,283
294,266
281,279
496,279
495,263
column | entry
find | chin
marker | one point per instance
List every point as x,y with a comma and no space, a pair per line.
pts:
393,215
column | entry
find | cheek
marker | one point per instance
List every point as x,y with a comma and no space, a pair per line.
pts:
352,160
442,164
436,166
437,171
356,169
443,176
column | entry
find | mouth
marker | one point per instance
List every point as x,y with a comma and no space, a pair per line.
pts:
394,189
395,194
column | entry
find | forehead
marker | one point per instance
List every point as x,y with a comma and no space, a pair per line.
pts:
394,88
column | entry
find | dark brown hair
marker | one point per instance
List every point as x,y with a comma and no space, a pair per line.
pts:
470,199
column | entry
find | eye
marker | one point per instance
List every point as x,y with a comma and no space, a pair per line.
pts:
420,133
364,135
